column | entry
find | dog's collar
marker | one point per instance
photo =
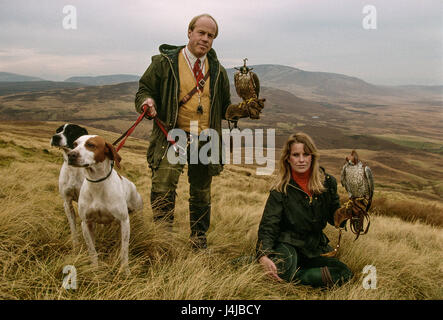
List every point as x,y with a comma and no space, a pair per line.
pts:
103,179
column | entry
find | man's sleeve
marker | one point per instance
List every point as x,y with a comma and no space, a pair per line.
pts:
226,92
149,84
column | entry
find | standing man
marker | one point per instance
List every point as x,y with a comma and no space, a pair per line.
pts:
184,84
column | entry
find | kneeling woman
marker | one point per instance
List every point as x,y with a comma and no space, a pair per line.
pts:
290,237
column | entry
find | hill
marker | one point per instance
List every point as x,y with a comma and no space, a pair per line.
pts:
7,88
402,143
36,245
13,77
338,88
104,80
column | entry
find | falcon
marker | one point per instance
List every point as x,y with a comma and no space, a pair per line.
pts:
358,182
246,82
357,179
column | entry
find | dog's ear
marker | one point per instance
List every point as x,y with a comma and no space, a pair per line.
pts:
60,129
112,154
78,131
83,131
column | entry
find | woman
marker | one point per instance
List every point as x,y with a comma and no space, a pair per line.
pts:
290,237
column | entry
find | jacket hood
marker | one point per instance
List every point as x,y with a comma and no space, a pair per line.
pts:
172,51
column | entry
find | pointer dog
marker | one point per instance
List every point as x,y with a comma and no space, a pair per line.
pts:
105,196
71,178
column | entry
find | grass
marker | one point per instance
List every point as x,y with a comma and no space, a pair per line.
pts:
35,241
418,143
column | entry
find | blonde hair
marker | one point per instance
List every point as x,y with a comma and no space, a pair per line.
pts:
315,184
194,21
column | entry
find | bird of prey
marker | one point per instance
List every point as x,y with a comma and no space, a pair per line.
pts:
358,182
246,82
357,179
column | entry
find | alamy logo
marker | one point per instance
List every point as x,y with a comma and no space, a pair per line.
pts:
209,150
70,280
70,20
370,20
370,281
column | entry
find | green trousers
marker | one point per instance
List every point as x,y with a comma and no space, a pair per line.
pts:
317,272
164,184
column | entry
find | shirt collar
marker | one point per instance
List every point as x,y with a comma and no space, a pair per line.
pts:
193,58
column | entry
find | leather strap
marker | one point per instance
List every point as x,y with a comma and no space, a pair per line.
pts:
326,277
199,86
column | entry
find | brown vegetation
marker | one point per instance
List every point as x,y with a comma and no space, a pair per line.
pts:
35,240
409,210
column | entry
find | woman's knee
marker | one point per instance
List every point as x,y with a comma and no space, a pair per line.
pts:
286,261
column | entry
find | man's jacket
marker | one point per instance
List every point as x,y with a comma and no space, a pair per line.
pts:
161,82
298,219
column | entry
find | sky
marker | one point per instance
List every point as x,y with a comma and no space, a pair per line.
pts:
404,45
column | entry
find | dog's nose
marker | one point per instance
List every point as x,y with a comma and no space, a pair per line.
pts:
55,141
72,157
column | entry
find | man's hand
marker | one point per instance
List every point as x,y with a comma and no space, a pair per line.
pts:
269,267
150,104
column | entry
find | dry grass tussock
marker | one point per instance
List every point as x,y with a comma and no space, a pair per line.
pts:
35,240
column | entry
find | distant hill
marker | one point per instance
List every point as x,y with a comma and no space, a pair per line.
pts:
321,83
318,86
33,86
334,87
105,80
13,77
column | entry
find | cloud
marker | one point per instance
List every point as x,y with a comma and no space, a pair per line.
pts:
322,35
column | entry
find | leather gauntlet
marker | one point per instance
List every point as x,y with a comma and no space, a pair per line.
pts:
246,109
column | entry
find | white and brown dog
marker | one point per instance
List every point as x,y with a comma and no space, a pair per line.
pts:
70,179
105,196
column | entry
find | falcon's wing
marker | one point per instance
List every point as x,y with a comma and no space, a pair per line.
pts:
236,82
343,176
368,174
256,83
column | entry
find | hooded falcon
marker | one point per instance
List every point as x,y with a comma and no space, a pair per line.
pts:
357,179
246,82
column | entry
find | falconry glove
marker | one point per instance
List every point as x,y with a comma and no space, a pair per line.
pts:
246,109
353,209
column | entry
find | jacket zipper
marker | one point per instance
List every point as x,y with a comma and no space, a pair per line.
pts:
310,197
176,96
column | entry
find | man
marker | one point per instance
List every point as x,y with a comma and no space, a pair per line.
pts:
168,90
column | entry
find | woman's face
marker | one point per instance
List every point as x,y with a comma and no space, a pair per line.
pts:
299,160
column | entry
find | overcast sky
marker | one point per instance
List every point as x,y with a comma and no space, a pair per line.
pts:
116,36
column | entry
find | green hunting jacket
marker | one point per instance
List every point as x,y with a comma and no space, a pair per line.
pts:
298,219
161,82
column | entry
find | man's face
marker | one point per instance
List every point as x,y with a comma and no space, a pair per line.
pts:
200,39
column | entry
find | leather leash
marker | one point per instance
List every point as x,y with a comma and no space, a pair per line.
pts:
157,120
130,130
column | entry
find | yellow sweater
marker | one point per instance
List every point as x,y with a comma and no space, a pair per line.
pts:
188,111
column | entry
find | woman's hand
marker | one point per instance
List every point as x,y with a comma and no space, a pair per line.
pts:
269,267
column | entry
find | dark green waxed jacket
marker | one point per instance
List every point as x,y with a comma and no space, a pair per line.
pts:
161,82
297,219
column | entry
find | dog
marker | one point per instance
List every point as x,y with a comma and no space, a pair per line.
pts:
70,179
105,196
